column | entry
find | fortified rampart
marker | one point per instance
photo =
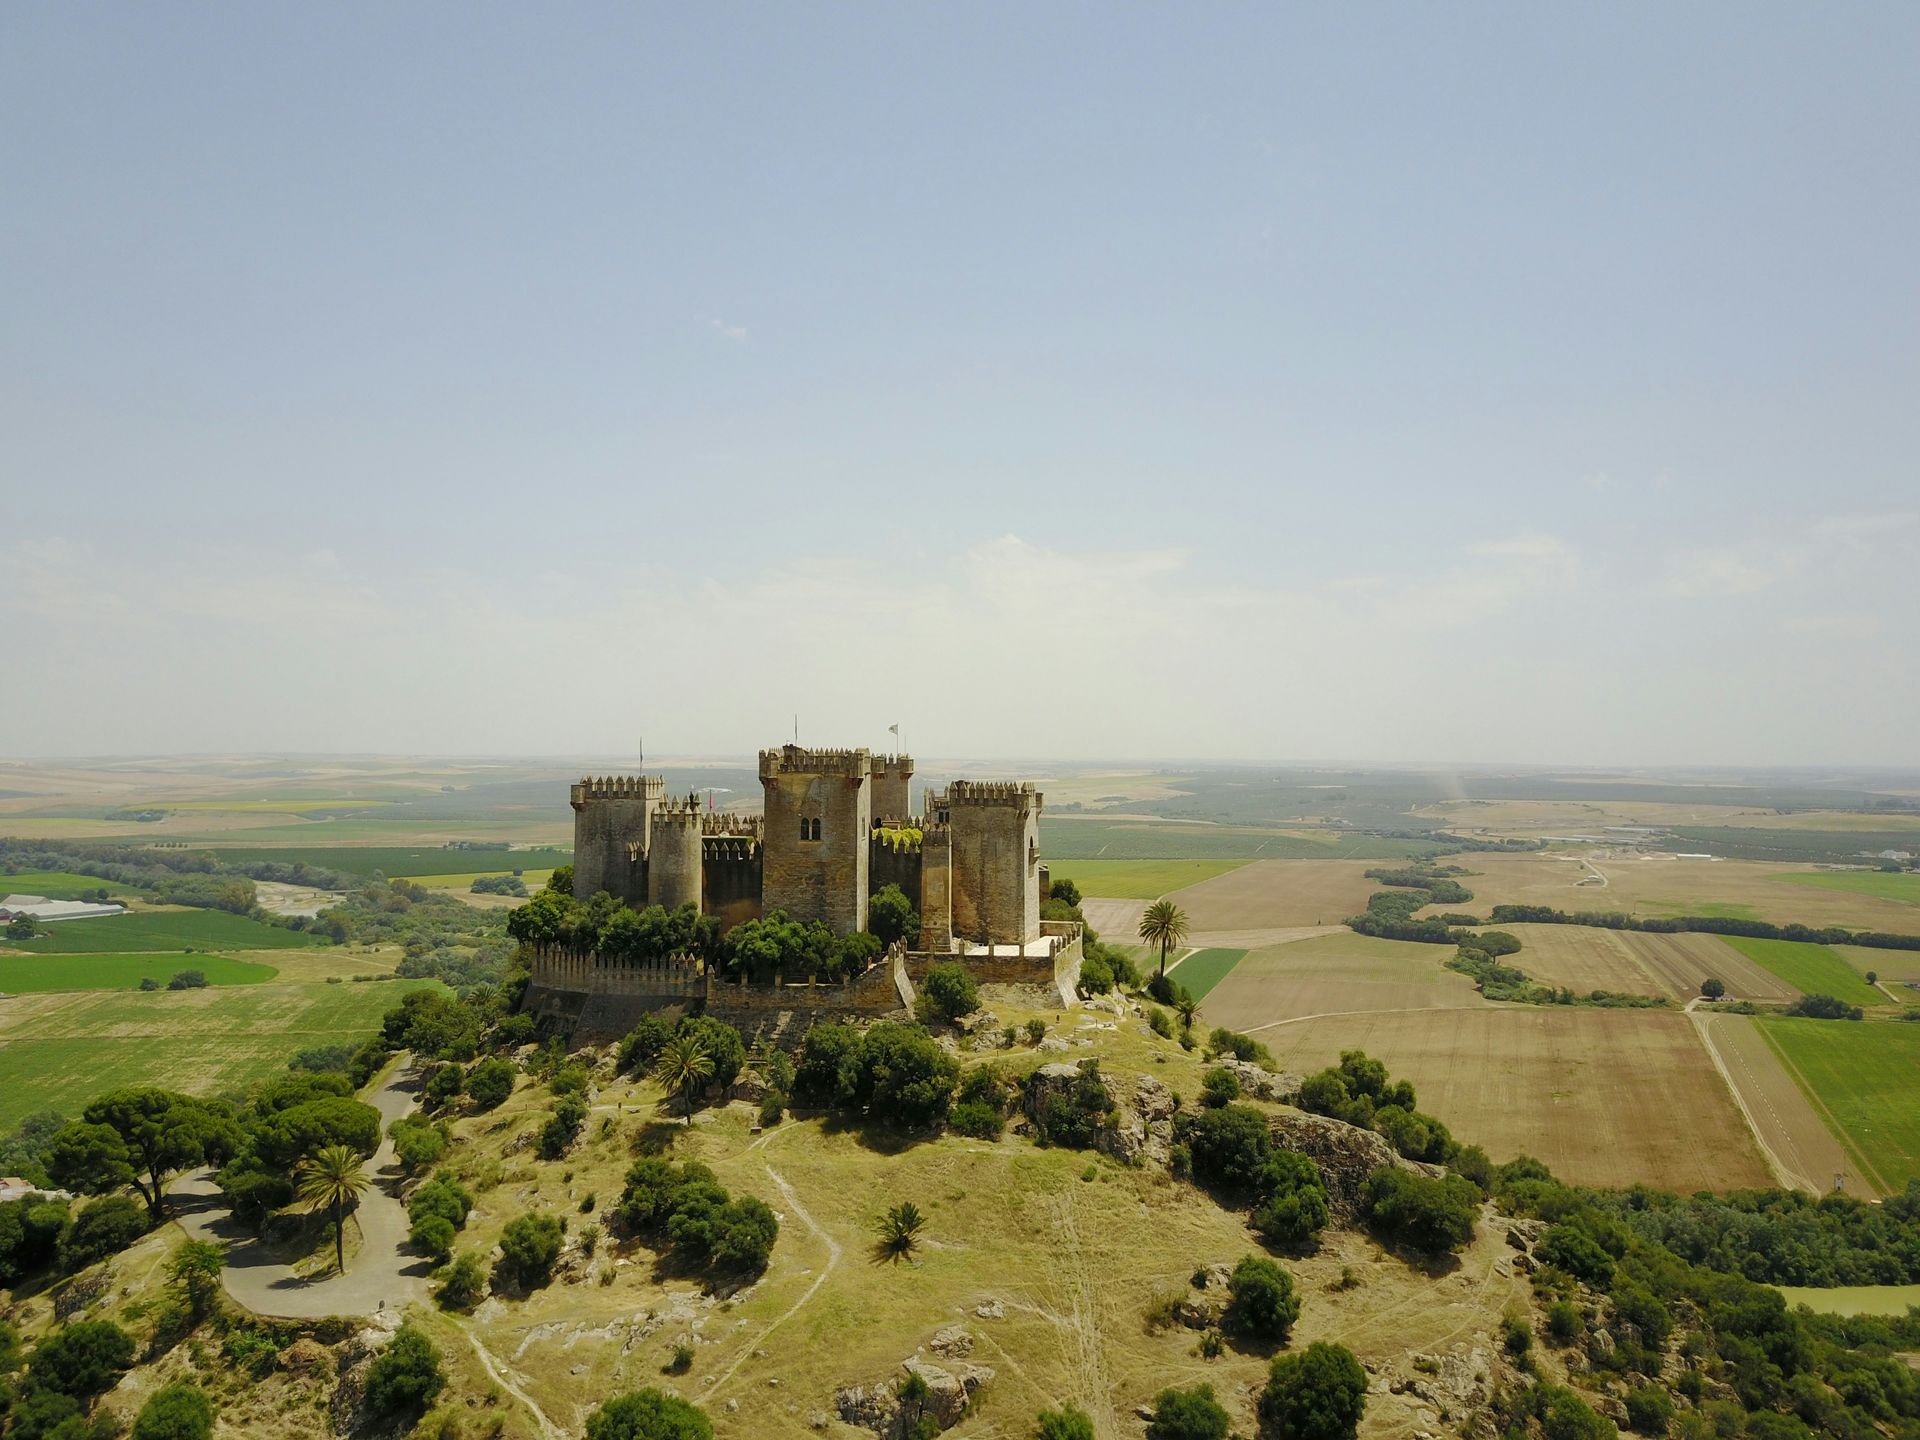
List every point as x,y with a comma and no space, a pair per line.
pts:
891,779
611,820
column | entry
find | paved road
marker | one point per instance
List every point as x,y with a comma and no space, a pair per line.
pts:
383,1275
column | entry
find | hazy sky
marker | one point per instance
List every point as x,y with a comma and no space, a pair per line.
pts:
1394,382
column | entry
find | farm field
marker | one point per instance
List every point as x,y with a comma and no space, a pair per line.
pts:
1138,879
1810,969
416,861
1339,973
1893,1300
1894,967
1583,958
1803,1148
20,975
1864,1078
1904,888
1591,1092
1276,894
58,884
1149,838
174,930
1666,887
59,1051
535,879
1534,817
1204,969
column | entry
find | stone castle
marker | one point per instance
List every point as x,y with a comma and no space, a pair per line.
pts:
836,826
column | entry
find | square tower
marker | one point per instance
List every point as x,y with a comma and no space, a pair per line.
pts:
892,777
814,836
612,830
995,828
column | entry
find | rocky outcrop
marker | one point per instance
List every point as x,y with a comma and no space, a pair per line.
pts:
1142,1128
1259,1084
879,1408
1346,1155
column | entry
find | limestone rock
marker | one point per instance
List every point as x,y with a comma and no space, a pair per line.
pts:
990,1310
954,1342
303,1356
1346,1155
1262,1084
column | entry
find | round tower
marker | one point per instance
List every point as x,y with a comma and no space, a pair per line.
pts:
674,859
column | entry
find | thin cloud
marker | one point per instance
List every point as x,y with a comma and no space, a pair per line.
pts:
736,333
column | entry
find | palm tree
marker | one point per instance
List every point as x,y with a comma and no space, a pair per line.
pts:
683,1063
900,1229
1188,1008
1163,923
331,1179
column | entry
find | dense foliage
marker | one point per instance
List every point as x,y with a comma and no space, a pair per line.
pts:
892,1073
648,1415
685,1208
1319,1394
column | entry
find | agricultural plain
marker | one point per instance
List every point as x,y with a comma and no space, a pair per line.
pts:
1276,895
1864,1079
57,1051
1801,1146
171,930
1604,1097
1905,887
1200,971
1810,969
1585,958
20,974
1138,879
1666,887
1339,973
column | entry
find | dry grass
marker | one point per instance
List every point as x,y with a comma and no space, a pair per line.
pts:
1605,1097
1586,817
1336,974
1584,959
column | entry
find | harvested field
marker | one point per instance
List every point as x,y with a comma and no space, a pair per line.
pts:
1894,967
1117,922
1336,974
1668,887
1276,894
1137,879
1604,1097
1804,1150
1583,958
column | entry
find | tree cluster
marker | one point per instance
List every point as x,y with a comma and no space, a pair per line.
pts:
684,1208
1229,1149
890,1072
1703,924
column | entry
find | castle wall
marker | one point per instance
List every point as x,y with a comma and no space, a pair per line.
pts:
610,835
674,859
730,879
889,866
891,778
821,879
996,861
936,888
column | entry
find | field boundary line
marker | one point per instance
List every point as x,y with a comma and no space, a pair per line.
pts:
1788,1177
1827,1117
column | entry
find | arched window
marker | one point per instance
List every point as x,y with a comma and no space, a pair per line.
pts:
816,828
809,828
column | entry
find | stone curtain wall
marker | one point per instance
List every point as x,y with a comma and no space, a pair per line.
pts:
730,878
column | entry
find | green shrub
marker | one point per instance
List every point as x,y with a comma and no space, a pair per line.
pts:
1262,1303
463,1282
432,1236
1188,1415
405,1377
1649,1410
490,1082
1220,1086
1067,1423
1432,1216
103,1227
177,1412
81,1360
648,1415
948,992
529,1246
1319,1394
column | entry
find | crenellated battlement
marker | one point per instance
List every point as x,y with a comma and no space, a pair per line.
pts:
618,787
726,822
729,847
800,760
991,792
890,765
679,811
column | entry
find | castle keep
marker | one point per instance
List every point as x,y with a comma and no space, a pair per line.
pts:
836,826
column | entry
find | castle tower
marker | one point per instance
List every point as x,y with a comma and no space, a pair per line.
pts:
891,778
611,833
996,861
818,815
674,858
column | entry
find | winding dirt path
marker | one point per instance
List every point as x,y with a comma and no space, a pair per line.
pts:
506,1382
792,1201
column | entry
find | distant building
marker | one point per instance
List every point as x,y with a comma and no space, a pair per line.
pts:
1693,855
48,911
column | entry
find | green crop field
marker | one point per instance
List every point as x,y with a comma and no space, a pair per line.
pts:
1204,969
535,879
392,861
1119,839
1893,1300
1864,1079
59,1051
1810,969
1885,887
58,884
162,930
23,975
1138,879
